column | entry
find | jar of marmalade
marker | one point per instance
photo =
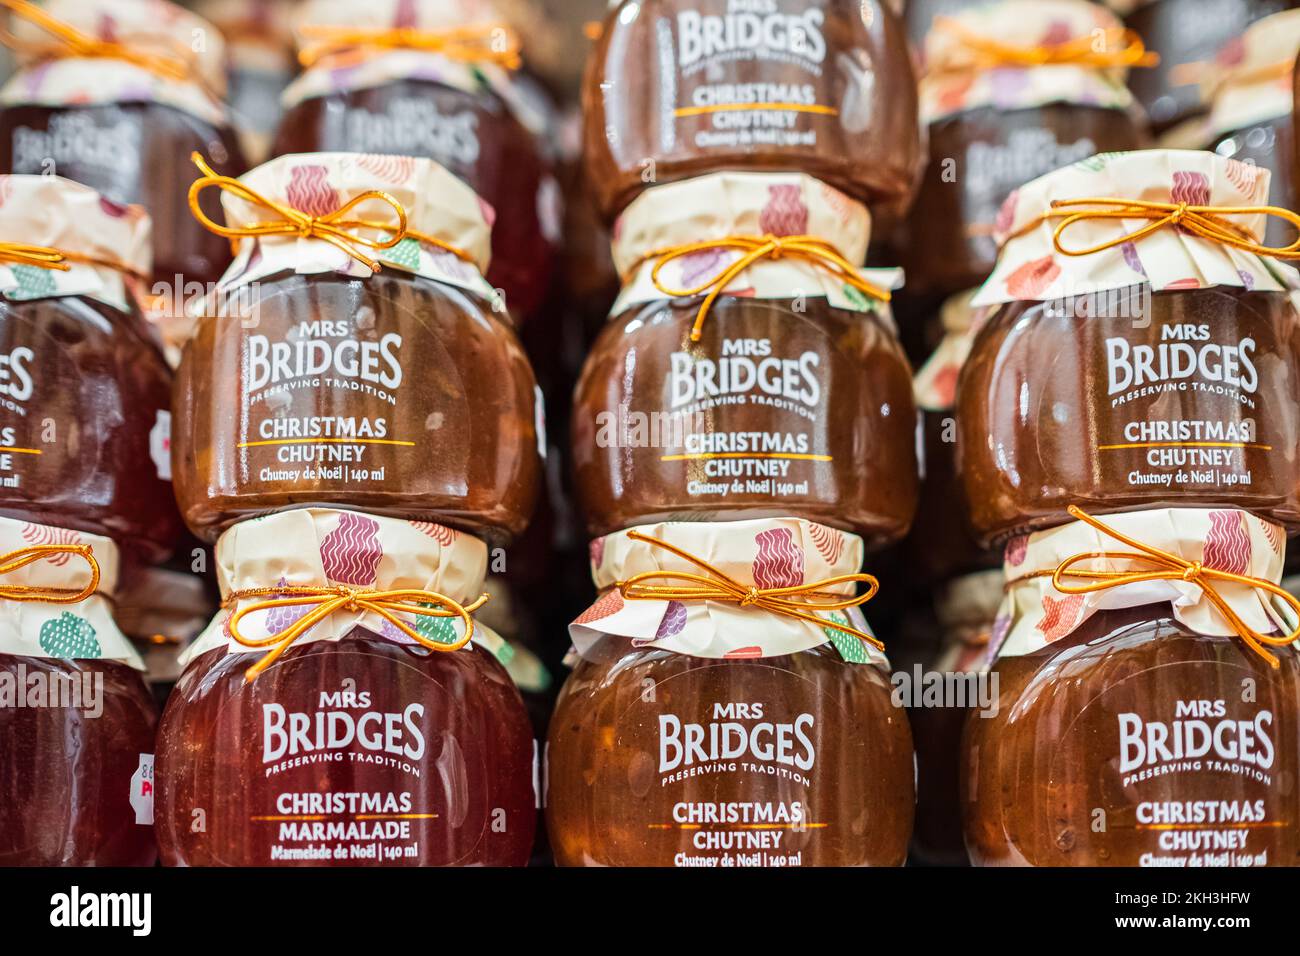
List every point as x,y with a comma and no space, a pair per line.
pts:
748,369
1189,35
433,80
345,709
679,88
124,121
76,720
724,724
996,121
85,395
1137,724
1132,363
1250,88
368,365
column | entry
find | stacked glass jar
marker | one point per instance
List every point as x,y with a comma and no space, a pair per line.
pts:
84,397
357,425
1129,429
743,432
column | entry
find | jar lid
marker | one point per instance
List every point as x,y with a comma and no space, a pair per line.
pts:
721,205
1035,613
319,548
103,240
1082,199
175,56
1250,80
435,203
424,15
982,55
765,554
83,630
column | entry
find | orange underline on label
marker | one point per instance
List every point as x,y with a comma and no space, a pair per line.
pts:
1187,444
319,441
310,817
22,451
739,826
1210,826
732,107
746,454
396,816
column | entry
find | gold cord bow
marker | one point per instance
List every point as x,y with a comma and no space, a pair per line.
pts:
475,43
799,601
15,560
754,248
325,601
176,64
1170,567
1118,48
335,227
47,257
1206,222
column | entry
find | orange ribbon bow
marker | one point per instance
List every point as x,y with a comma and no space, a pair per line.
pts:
1170,567
1103,49
475,43
15,560
754,248
335,227
325,601
47,257
798,601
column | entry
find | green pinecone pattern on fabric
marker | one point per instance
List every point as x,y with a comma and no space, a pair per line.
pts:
856,297
406,253
33,283
69,637
851,648
440,630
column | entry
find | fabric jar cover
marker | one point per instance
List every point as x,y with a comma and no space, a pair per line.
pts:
57,213
320,547
1034,614
143,26
317,184
769,553
720,205
1250,81
82,631
1030,269
955,80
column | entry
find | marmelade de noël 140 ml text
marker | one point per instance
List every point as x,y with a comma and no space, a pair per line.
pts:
433,79
367,364
1010,91
1149,698
749,368
729,706
1133,362
85,394
1250,90
345,709
116,94
76,720
1189,34
678,88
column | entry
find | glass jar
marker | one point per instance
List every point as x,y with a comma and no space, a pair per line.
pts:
709,734
995,127
76,720
465,113
677,89
1188,35
1250,88
1085,388
359,745
797,398
401,390
85,394
128,131
1141,733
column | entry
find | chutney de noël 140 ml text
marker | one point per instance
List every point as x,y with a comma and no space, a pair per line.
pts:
707,734
368,738
785,393
680,89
